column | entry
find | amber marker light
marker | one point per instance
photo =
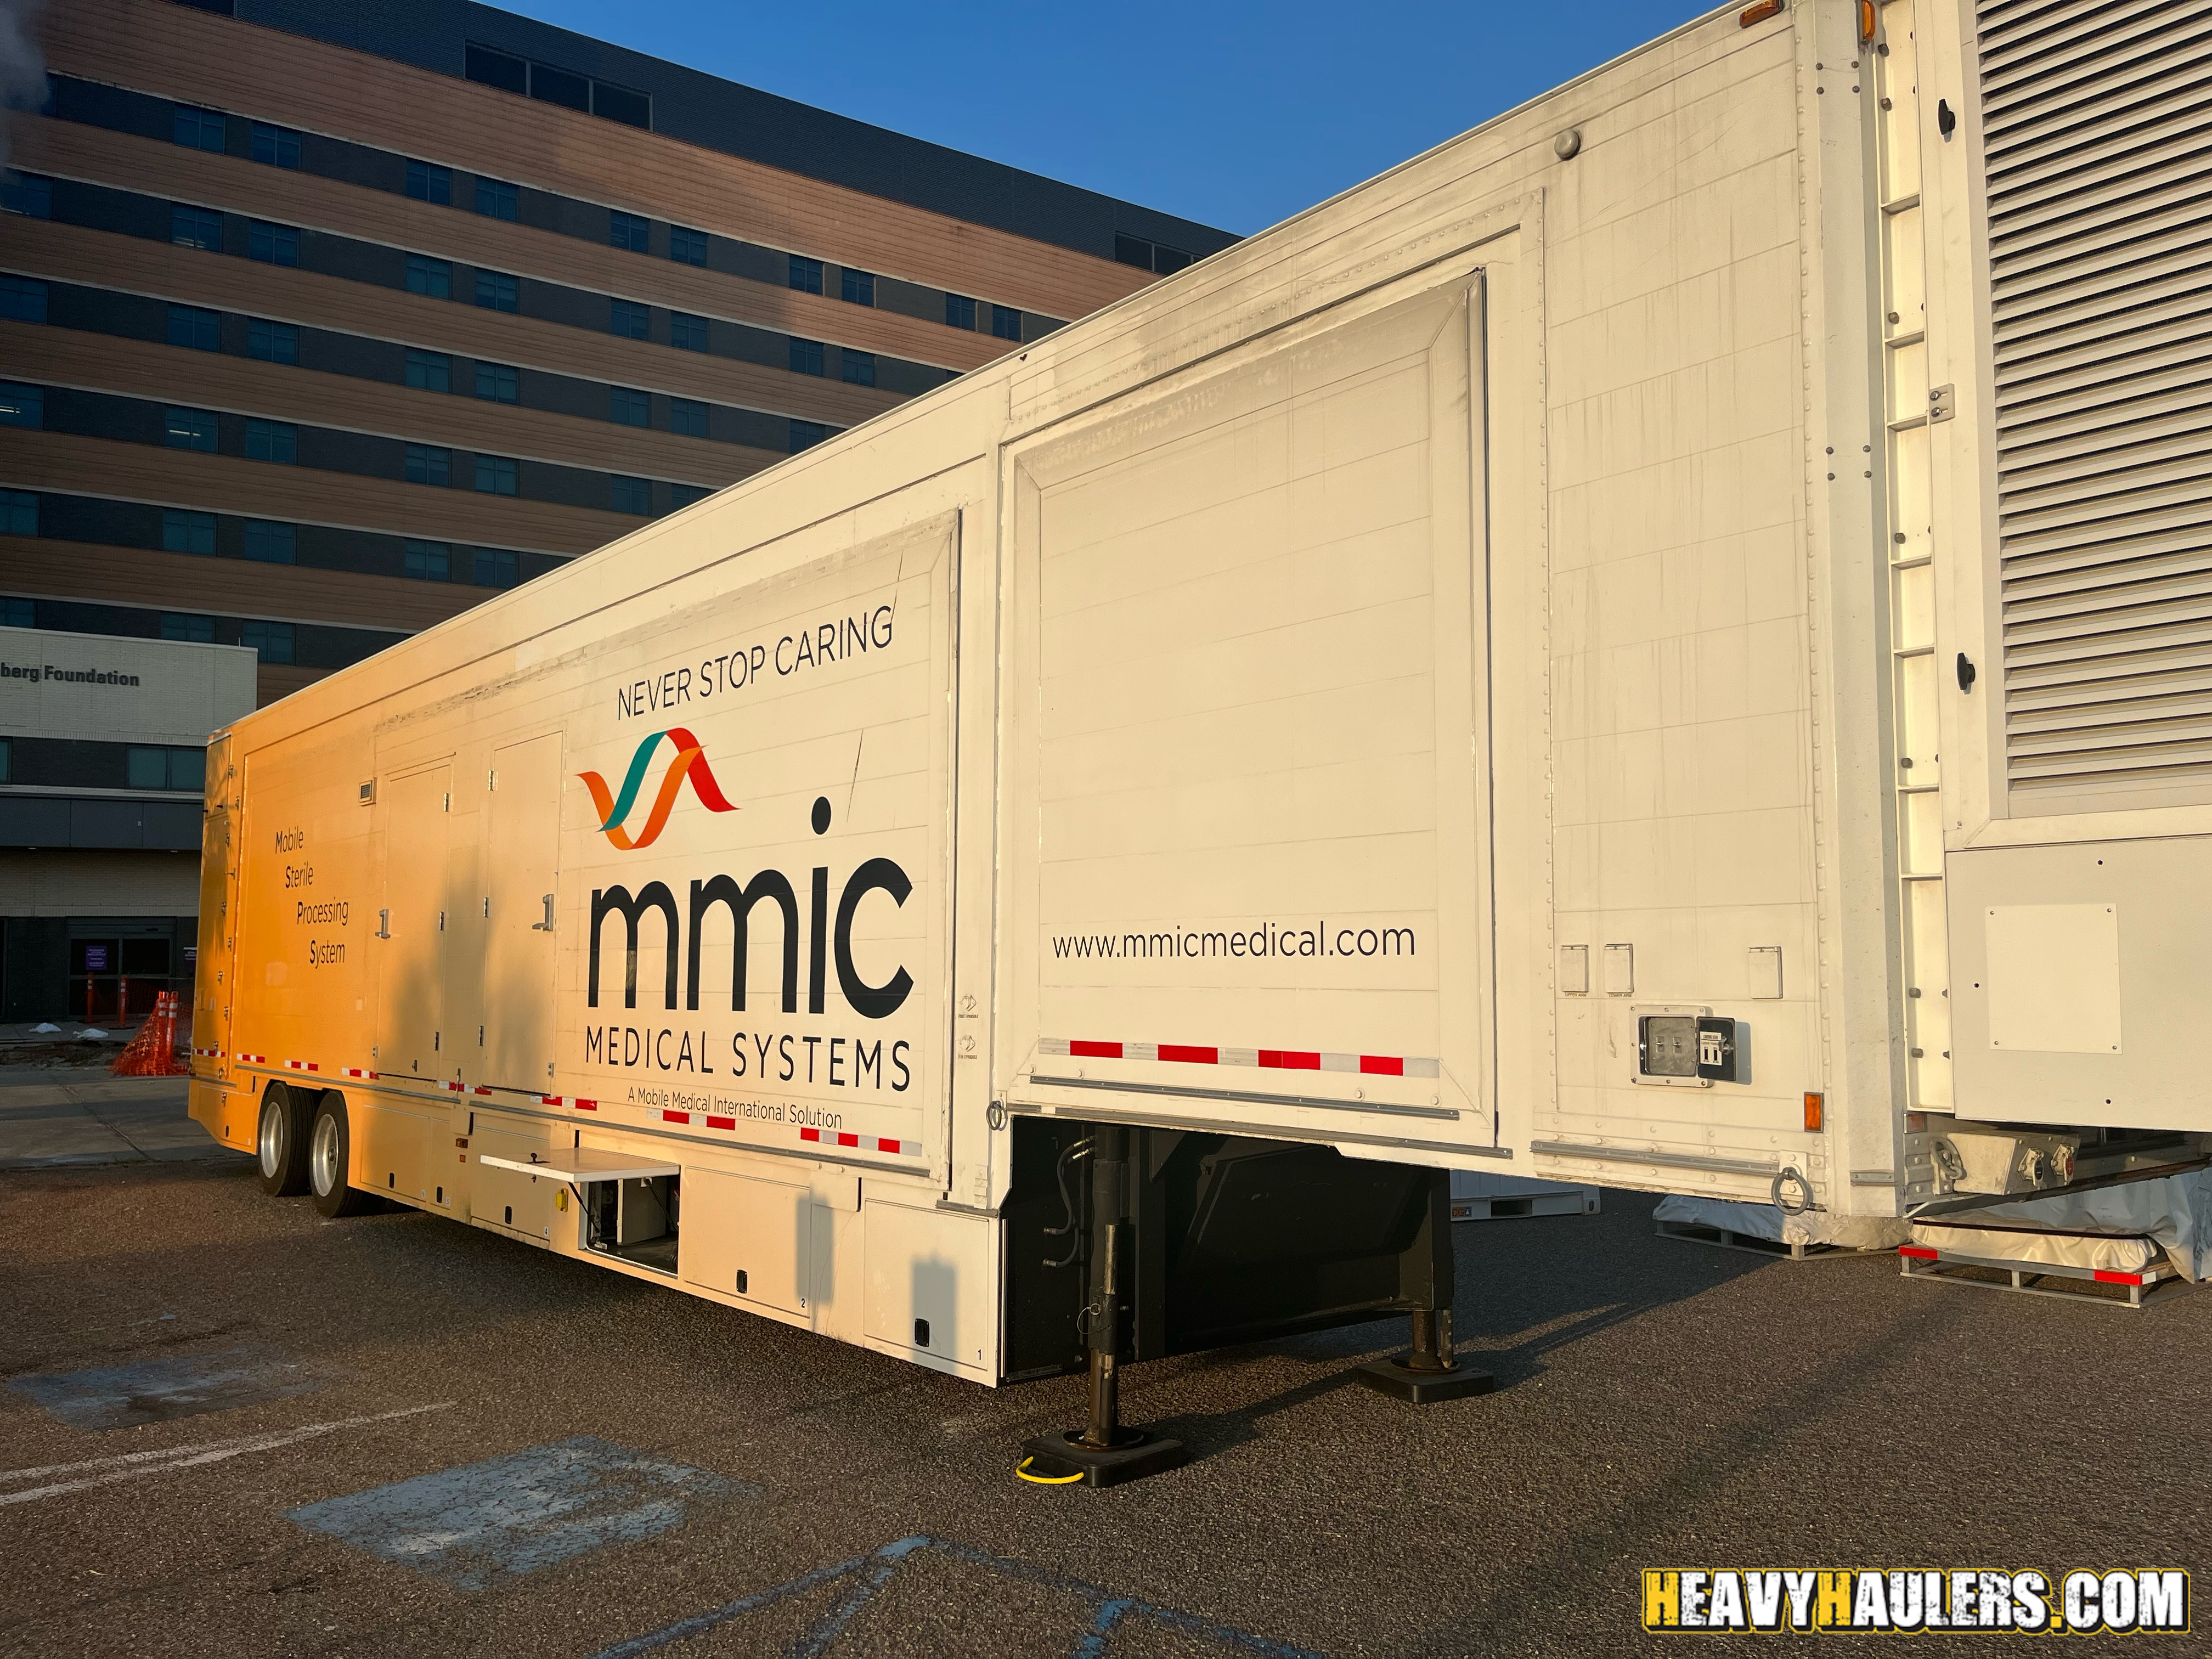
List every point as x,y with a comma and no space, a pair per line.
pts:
1812,1103
1867,22
1761,13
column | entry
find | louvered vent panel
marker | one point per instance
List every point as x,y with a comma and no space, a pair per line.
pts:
2097,137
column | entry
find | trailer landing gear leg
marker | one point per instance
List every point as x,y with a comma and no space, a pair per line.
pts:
1103,1452
1429,1374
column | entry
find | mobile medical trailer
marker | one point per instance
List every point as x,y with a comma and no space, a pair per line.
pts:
1664,641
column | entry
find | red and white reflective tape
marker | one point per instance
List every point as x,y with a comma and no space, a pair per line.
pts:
865,1142
1267,1059
355,1071
253,1060
208,1054
675,1117
478,1089
568,1100
453,1088
302,1066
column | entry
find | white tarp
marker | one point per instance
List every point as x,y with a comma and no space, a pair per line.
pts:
2175,1210
1850,1232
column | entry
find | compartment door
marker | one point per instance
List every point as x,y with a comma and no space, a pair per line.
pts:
747,1238
411,925
522,865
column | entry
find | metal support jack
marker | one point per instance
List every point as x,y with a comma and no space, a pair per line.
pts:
1427,1374
1105,1452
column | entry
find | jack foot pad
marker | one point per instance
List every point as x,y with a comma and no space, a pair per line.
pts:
1424,1388
1062,1459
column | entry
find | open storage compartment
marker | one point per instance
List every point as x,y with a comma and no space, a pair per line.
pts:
631,1205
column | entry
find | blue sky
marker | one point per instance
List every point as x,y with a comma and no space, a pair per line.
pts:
1234,113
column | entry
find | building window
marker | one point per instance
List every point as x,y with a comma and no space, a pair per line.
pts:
628,407
496,475
19,613
272,440
433,277
167,769
23,298
192,630
627,230
495,200
198,129
187,532
198,329
190,428
429,371
687,332
430,463
22,405
856,288
32,195
805,357
496,567
549,85
496,69
272,343
497,383
959,312
629,318
632,109
687,418
272,245
805,434
1150,256
496,291
272,639
631,496
805,275
428,182
274,146
196,226
269,543
682,495
687,248
430,561
1005,323
860,367
18,512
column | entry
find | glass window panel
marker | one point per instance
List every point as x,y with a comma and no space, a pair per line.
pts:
429,371
23,298
184,532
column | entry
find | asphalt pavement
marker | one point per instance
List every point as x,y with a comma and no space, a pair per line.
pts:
231,1427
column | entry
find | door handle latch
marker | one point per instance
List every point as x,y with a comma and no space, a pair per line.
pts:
546,926
384,924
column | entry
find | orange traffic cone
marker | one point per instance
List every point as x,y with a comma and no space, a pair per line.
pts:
152,1051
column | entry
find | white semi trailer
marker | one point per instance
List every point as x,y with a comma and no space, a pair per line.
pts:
1667,641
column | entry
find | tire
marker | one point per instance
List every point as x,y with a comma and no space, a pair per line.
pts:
280,1143
328,1156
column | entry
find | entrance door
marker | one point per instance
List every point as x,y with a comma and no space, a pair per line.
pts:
523,854
411,925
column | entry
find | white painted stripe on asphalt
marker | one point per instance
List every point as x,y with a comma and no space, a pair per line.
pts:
131,1466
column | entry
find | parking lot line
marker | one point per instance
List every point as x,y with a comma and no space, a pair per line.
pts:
133,1466
1107,1610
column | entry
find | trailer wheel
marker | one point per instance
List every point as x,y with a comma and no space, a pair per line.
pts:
330,1155
280,1143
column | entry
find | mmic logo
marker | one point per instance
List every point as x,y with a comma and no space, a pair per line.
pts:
691,761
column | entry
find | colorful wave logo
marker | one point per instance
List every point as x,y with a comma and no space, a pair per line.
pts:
690,763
